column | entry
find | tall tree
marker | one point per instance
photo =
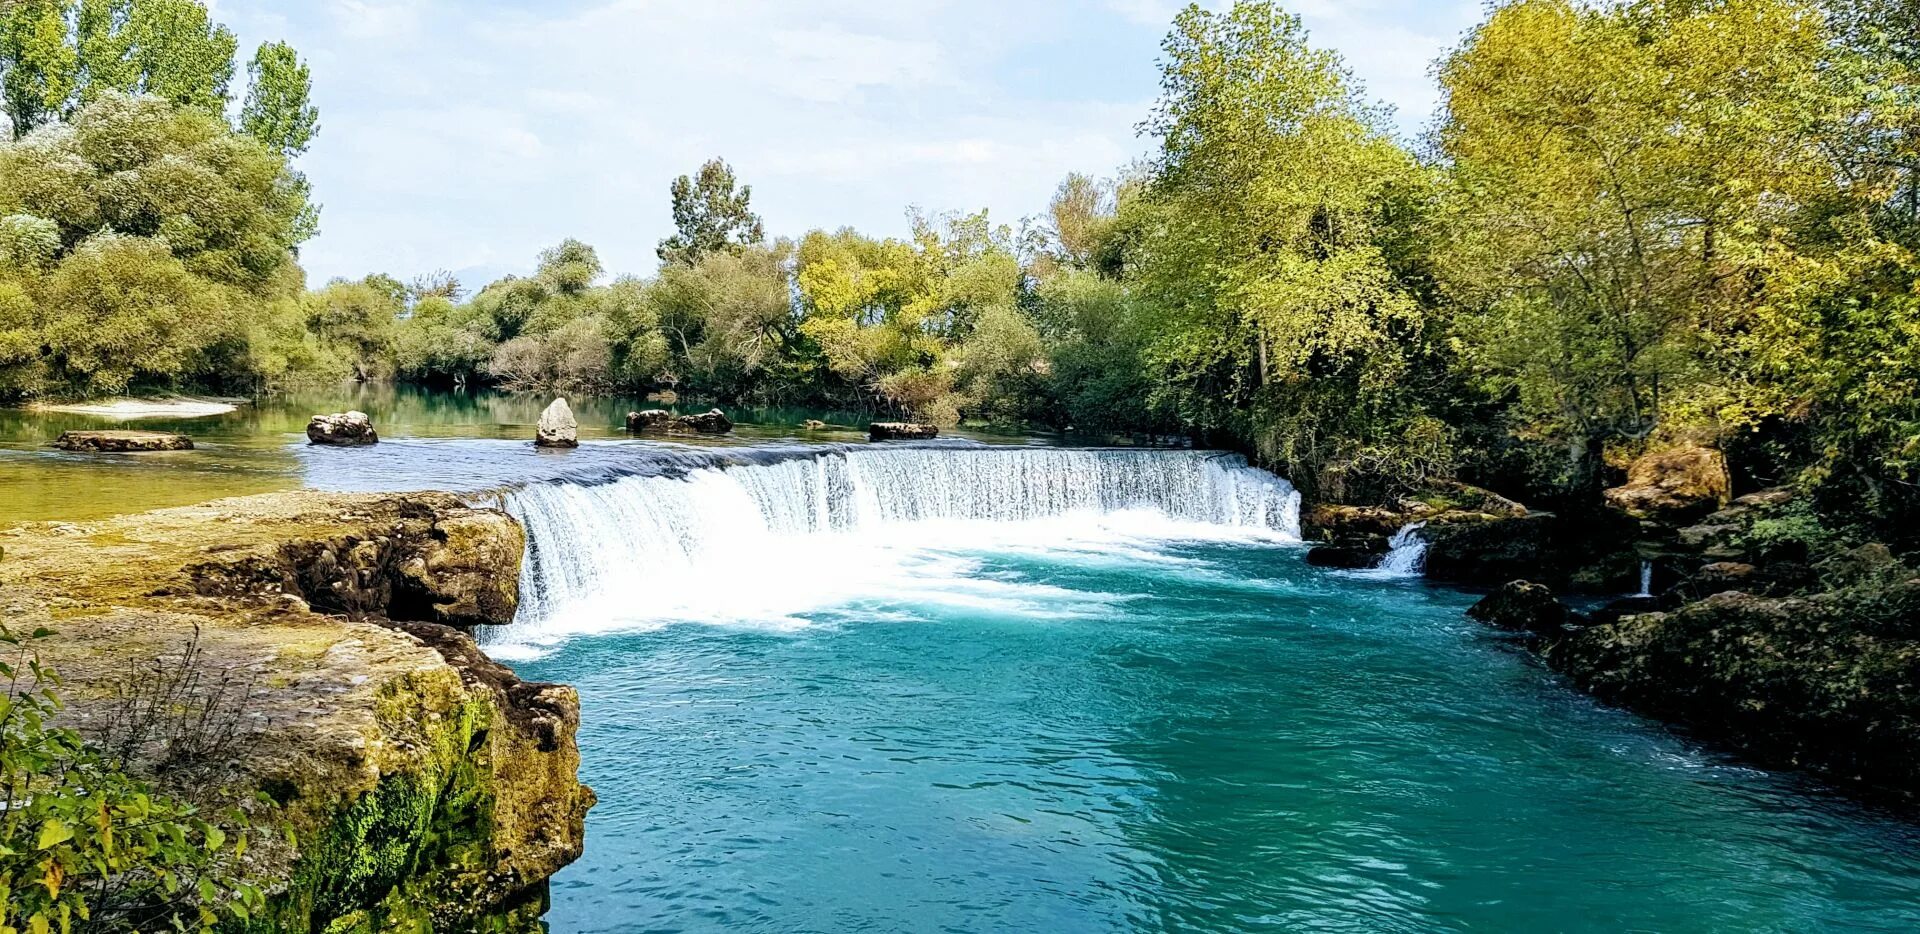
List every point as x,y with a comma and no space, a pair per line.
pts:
711,212
1281,318
1619,174
279,109
38,66
170,49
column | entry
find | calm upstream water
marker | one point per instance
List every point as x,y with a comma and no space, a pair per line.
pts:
959,687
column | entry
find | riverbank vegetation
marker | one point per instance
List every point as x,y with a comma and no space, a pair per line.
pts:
1633,224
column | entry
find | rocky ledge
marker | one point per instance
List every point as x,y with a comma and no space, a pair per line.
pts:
427,787
1829,683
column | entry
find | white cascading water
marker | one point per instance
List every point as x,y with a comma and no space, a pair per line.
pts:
1406,553
760,542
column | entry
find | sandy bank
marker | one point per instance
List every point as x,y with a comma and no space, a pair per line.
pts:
126,408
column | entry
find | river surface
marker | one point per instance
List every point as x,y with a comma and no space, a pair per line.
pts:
961,687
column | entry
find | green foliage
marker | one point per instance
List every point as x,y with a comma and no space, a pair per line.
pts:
711,213
39,68
279,109
1617,174
85,845
1260,243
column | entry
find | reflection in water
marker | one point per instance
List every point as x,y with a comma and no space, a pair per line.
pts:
262,447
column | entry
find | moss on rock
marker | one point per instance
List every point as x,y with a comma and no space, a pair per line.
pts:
426,787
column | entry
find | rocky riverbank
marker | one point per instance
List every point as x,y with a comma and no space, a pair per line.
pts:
425,786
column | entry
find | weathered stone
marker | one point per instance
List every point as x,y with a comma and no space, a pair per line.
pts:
710,422
1346,557
1481,549
360,727
342,429
1827,682
1620,608
117,442
1675,486
1521,606
660,421
901,431
557,428
651,420
1861,565
1719,577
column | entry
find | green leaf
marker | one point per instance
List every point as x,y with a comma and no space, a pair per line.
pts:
53,833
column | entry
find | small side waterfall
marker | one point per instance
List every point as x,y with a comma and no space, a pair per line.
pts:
1406,553
759,538
1646,579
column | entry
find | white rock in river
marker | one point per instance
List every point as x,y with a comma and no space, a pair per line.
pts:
557,428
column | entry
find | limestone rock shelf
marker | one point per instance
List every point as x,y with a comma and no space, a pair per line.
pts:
428,788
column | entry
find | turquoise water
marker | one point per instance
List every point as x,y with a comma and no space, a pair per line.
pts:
1141,734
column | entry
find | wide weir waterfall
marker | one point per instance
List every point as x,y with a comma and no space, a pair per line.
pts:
759,536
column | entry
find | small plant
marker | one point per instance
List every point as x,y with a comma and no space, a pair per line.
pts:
86,846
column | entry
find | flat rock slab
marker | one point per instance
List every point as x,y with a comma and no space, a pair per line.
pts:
117,442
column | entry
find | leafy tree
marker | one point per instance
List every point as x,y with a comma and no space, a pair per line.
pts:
569,268
38,66
1279,316
726,318
279,109
711,213
1617,174
170,49
226,206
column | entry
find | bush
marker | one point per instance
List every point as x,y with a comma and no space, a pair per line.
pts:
82,843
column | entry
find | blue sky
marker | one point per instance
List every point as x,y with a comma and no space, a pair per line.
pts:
469,135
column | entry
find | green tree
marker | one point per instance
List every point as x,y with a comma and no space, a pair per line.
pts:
1279,317
727,317
1618,173
226,206
279,109
170,49
39,68
711,212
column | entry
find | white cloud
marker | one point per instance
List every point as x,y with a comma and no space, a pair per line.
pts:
459,134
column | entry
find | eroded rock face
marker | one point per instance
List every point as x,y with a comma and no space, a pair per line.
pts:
428,787
119,442
1483,549
1674,486
1830,682
1521,606
342,429
901,431
557,428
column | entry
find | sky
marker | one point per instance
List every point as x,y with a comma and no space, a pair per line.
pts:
468,136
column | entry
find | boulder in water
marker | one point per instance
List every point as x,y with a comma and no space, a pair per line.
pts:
710,422
654,420
901,431
557,429
120,442
660,421
813,424
342,429
1521,606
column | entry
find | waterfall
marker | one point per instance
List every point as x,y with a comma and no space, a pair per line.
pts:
767,536
1406,553
1646,579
